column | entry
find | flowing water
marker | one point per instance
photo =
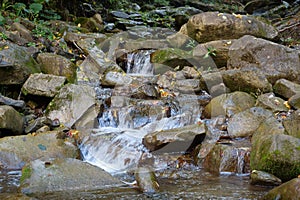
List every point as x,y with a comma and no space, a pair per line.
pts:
116,146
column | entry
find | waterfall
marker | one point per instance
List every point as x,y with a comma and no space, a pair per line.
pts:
138,62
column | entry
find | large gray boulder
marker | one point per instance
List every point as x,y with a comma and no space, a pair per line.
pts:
16,151
43,85
209,26
74,103
275,61
56,175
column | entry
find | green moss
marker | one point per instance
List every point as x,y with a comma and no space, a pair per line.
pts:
26,173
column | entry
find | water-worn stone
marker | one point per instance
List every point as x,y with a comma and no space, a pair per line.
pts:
263,178
229,104
43,85
246,80
16,151
278,154
19,63
174,140
292,124
271,102
245,123
286,88
275,61
72,103
11,120
289,190
54,175
57,65
209,26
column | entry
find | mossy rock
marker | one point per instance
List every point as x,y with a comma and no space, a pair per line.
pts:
278,154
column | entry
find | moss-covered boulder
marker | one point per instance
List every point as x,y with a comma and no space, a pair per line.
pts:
278,154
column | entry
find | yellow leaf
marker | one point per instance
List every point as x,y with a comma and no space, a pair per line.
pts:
286,103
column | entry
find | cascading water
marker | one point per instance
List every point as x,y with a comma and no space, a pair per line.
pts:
138,62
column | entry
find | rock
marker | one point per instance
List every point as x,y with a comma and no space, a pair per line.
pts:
271,102
190,72
11,120
13,196
275,61
263,178
258,6
67,105
268,127
188,85
209,26
182,14
289,190
93,24
76,37
229,104
174,140
12,102
46,85
19,63
57,65
221,48
246,80
292,124
286,88
277,154
146,180
23,31
113,78
38,123
212,80
294,101
245,123
16,151
231,158
53,175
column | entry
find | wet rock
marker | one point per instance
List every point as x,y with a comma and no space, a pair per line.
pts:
11,120
292,124
271,102
246,80
67,105
11,102
277,154
19,63
294,101
229,104
46,85
113,15
57,65
263,178
131,45
275,61
286,88
232,158
53,175
245,123
146,180
288,190
209,26
18,150
221,48
174,140
113,78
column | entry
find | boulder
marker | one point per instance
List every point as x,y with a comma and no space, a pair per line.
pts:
55,175
246,80
229,104
57,65
286,88
245,123
174,140
292,124
46,85
278,154
294,101
263,178
209,26
17,63
23,32
16,151
271,102
68,106
10,120
289,190
275,61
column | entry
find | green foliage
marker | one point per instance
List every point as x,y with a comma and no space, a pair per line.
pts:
211,51
2,20
191,44
41,30
3,36
5,4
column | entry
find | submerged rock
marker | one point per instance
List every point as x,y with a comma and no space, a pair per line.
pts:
54,175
